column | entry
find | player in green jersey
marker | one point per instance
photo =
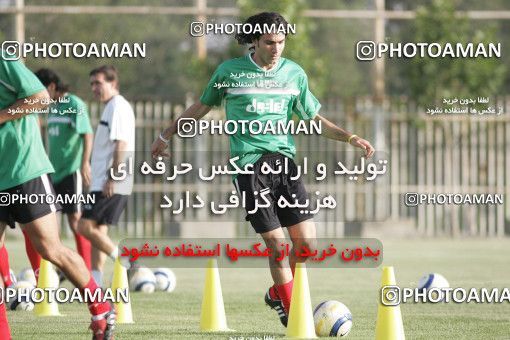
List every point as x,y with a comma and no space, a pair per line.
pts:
24,172
70,146
265,87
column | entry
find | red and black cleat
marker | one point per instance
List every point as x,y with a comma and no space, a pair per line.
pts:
103,326
275,303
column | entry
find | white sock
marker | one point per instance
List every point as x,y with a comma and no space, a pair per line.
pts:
114,254
98,277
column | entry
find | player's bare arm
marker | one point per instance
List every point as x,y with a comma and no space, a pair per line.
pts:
25,105
118,156
195,111
88,141
332,131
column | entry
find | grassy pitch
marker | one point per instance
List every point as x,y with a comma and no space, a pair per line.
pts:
465,263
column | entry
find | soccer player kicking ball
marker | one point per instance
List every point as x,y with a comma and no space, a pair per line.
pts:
24,171
264,86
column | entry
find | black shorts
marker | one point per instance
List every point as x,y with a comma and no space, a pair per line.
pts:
26,202
70,185
273,217
105,210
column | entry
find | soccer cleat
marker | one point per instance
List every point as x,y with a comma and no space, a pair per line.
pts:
277,305
103,327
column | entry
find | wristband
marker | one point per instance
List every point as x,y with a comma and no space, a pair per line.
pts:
350,138
163,139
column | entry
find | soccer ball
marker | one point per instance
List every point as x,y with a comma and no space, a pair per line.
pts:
143,280
22,303
434,280
165,279
332,318
27,274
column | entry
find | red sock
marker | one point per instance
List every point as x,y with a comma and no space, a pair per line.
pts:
285,293
4,267
99,307
33,255
84,249
5,332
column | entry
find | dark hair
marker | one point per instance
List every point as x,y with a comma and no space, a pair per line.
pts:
261,19
109,72
47,76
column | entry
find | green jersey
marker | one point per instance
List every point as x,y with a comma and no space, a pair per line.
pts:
21,147
269,96
68,121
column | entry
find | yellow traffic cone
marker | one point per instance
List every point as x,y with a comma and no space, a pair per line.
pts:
120,281
301,323
212,318
47,307
389,324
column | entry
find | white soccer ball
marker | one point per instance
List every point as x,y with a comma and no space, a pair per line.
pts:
165,279
332,318
22,302
434,280
27,274
143,280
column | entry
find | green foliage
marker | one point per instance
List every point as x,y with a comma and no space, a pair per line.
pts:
434,79
198,72
158,76
323,47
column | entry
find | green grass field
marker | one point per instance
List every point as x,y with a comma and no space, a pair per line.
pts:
465,263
